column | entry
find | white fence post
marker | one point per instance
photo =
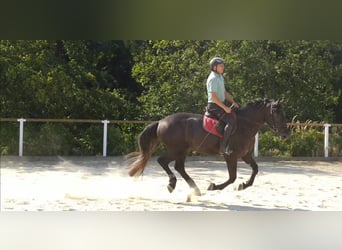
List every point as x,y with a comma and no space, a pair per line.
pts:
21,135
326,140
256,145
105,123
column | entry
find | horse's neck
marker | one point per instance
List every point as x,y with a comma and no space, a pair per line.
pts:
251,120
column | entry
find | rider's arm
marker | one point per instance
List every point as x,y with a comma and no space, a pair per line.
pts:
230,99
218,102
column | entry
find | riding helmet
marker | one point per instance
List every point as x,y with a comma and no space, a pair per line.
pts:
215,61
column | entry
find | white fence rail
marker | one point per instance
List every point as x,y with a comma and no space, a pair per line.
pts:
106,122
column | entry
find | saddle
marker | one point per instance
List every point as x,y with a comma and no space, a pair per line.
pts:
209,124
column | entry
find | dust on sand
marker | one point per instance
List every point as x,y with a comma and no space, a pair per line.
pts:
102,184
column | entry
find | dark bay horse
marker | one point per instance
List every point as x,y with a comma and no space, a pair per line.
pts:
183,132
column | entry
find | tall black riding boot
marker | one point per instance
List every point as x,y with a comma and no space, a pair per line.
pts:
224,145
220,127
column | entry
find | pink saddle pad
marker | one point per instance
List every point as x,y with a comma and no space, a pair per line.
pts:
209,125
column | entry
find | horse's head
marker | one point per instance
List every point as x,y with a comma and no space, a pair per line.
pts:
276,119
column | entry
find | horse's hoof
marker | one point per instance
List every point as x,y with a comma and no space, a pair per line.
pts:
197,192
193,193
170,188
212,186
188,198
241,187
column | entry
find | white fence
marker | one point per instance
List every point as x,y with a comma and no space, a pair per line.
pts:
106,122
326,138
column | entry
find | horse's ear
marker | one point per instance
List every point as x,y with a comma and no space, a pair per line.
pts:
279,101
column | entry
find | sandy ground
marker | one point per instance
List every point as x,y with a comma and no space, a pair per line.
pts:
102,184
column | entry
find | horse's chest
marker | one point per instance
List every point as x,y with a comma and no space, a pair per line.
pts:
243,147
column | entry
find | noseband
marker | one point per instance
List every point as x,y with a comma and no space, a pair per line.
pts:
273,124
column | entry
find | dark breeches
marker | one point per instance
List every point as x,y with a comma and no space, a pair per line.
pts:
215,110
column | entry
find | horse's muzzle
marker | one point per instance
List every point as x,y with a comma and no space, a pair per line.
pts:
283,137
283,134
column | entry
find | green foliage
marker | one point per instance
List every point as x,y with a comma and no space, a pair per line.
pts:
335,141
89,141
63,79
271,145
173,74
9,134
304,141
68,139
46,139
302,72
130,134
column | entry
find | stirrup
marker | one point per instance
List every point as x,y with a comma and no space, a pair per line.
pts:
228,151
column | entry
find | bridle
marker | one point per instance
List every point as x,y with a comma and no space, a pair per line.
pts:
273,124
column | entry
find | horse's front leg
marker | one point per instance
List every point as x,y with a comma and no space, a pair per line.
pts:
180,167
250,161
232,167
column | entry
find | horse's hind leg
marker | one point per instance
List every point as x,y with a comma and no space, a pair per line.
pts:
180,167
250,161
164,162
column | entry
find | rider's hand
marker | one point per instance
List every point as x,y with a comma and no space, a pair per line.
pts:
227,109
235,105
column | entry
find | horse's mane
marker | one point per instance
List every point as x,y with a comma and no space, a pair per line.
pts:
256,104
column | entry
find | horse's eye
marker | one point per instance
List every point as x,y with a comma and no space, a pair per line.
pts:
277,110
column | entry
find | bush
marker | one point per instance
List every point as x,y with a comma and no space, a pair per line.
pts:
116,141
130,133
9,137
68,139
47,139
304,141
272,145
89,141
336,142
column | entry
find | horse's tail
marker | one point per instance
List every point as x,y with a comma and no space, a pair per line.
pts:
147,144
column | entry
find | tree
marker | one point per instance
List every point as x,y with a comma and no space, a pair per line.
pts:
65,79
172,73
302,72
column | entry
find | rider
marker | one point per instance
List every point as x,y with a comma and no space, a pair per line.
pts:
217,95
